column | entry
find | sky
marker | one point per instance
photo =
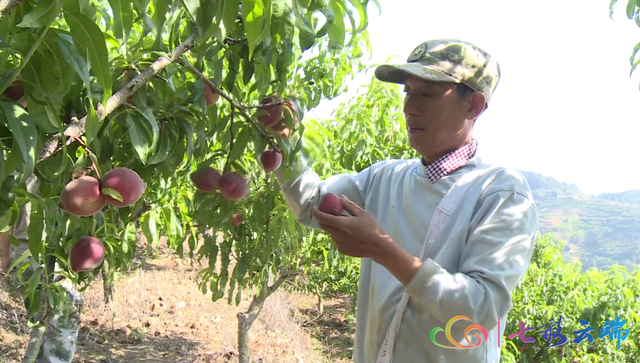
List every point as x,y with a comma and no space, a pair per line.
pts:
565,106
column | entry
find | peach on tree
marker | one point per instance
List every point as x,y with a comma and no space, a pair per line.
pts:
210,95
271,160
271,114
233,186
206,179
82,197
87,254
127,183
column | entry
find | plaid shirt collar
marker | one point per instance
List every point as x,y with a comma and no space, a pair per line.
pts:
450,161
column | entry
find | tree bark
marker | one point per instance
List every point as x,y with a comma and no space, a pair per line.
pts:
107,284
77,127
35,344
7,5
246,319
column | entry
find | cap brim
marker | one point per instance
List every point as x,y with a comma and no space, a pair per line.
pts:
396,73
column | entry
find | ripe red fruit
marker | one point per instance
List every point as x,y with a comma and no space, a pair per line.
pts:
206,179
236,219
15,91
210,96
81,197
271,160
291,109
126,182
233,186
87,254
273,113
331,204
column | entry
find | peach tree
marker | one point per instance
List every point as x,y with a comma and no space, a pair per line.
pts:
169,115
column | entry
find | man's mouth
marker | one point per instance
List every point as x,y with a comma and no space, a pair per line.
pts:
415,129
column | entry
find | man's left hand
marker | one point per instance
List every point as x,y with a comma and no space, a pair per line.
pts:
358,235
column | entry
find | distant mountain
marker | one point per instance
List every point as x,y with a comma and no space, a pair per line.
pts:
600,230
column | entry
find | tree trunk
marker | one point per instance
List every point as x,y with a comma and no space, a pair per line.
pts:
246,319
107,284
35,344
320,305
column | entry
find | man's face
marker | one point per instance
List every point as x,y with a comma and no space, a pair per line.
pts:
438,121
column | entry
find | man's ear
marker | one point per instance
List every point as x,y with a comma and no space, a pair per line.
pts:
476,105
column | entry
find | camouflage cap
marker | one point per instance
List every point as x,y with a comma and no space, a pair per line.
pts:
447,60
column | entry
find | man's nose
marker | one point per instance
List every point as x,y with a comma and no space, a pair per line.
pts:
410,107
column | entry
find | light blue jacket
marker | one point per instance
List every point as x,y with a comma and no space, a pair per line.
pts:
483,250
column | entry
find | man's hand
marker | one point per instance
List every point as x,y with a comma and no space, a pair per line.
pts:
360,235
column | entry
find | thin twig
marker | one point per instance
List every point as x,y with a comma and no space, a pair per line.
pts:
89,153
77,129
226,164
231,101
7,5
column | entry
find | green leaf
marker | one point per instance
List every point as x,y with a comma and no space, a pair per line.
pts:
635,51
631,8
362,14
192,7
153,130
34,282
122,18
43,15
71,55
307,35
7,195
92,125
36,227
337,28
24,133
89,39
138,136
230,12
159,18
149,228
240,143
44,85
112,193
163,150
256,16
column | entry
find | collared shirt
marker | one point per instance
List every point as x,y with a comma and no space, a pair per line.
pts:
483,249
450,161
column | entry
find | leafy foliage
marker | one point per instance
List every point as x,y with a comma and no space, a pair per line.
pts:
632,11
126,86
553,289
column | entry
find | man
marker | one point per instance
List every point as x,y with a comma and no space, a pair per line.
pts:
444,239
59,341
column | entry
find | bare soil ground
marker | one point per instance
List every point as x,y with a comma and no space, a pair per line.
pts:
159,315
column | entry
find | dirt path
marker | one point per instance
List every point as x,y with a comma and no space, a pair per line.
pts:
158,315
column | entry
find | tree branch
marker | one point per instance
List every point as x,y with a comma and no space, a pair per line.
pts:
234,104
77,128
7,5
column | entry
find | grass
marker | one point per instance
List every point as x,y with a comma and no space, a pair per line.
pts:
159,315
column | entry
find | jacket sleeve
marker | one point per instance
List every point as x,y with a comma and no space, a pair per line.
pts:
498,252
303,189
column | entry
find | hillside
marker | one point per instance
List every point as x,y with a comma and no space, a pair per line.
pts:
600,230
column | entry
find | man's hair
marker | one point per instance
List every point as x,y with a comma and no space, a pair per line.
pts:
463,90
